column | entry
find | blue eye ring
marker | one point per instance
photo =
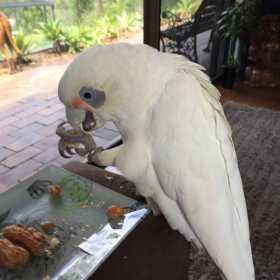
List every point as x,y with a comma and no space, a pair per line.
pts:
94,97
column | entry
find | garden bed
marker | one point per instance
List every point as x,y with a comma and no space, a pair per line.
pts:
48,56
38,59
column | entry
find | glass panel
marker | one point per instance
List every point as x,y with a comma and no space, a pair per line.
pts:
186,28
79,216
83,23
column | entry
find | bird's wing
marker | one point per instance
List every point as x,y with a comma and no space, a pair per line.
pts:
195,162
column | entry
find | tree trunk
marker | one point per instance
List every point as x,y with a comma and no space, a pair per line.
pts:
63,5
99,7
78,9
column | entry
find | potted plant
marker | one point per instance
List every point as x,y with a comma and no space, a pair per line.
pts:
229,28
236,24
229,74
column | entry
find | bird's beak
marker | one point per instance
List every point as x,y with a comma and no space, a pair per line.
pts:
80,115
81,119
75,117
76,140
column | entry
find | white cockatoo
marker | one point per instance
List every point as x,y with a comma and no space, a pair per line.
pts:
177,144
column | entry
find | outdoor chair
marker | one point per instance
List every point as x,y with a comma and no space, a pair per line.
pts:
182,38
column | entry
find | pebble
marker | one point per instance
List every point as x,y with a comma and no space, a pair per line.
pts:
54,243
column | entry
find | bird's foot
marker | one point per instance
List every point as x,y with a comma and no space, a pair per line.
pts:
95,157
153,206
103,157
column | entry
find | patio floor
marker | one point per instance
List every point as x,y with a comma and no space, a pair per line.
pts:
29,113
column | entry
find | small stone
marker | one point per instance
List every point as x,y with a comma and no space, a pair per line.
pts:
54,243
48,227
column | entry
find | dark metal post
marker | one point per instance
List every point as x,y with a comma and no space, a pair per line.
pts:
152,10
53,12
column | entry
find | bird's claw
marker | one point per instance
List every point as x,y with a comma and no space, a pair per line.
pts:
73,141
38,188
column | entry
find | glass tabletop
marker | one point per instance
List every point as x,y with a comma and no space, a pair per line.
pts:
86,235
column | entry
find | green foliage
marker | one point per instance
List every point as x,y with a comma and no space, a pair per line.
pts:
127,22
229,27
79,8
187,7
180,12
108,25
52,30
27,18
238,22
23,42
78,38
95,21
117,19
116,7
77,190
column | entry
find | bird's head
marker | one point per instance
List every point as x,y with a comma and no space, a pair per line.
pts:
100,81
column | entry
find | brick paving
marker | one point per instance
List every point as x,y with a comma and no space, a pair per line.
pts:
29,114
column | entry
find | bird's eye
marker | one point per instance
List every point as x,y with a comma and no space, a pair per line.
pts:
87,95
93,97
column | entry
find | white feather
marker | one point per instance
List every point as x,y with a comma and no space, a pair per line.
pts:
199,171
177,145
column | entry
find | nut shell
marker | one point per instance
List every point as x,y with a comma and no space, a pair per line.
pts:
55,191
48,227
54,243
30,238
12,256
114,212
